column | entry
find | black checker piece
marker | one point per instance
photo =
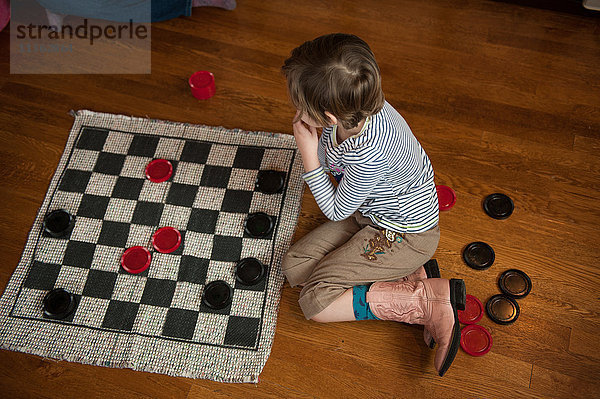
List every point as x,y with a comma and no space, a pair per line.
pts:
217,295
59,304
270,181
58,223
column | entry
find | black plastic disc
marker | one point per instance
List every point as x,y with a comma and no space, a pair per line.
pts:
58,304
479,255
498,206
502,309
259,224
270,181
217,294
515,283
249,271
59,223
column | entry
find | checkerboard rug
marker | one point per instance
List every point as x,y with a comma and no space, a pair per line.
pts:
156,320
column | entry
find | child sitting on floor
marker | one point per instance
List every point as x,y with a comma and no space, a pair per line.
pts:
367,261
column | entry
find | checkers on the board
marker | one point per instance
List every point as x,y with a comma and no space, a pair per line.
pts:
259,224
479,255
166,239
217,294
270,181
136,259
173,304
58,223
249,271
159,170
498,206
58,304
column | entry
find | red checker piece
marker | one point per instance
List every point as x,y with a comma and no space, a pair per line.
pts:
166,239
473,311
446,197
202,84
136,259
159,170
475,340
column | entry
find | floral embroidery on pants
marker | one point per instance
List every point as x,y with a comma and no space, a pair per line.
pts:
382,240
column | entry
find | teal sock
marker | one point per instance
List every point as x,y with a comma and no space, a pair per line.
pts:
362,311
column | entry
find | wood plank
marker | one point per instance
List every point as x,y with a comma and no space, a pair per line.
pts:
556,384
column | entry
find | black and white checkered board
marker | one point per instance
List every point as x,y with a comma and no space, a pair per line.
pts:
155,320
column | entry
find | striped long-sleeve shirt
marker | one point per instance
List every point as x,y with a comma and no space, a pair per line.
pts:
387,175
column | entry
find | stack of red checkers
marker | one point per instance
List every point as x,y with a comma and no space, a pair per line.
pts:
474,339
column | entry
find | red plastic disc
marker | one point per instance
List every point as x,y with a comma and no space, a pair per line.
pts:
136,259
166,239
202,84
446,197
475,340
159,170
473,311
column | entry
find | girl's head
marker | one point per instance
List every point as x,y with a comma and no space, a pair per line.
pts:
334,73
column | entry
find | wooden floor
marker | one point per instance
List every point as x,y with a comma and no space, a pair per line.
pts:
503,98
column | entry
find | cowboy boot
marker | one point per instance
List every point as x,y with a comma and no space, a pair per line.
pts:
430,302
428,270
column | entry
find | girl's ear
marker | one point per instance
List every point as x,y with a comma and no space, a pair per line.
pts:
332,118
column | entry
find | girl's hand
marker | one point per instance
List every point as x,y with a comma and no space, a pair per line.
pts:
307,140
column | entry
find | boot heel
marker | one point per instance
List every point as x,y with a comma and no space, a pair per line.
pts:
458,293
432,269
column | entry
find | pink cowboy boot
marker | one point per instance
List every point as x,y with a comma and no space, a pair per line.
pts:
430,302
428,270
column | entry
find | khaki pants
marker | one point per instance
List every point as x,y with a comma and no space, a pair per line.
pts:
339,255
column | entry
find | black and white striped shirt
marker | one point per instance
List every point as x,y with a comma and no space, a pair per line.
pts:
387,175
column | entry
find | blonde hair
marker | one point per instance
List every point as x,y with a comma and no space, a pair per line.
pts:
335,73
